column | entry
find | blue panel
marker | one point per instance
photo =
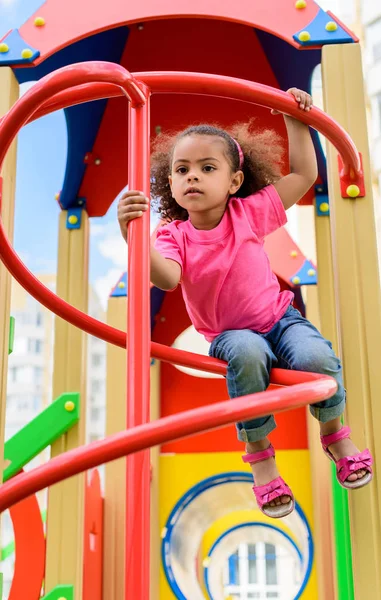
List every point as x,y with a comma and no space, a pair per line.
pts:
319,34
294,68
16,45
157,297
321,198
121,287
302,274
77,214
83,120
107,45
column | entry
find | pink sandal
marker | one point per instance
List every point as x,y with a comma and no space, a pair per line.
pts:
271,491
349,464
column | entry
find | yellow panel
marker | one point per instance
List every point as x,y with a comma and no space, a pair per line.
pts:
115,472
320,468
180,472
155,489
65,529
358,296
8,96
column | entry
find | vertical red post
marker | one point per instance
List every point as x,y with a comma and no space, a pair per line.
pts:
138,362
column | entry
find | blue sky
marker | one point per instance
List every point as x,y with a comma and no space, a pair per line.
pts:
41,161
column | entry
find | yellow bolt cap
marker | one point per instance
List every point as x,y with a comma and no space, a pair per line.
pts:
300,4
331,26
27,53
69,406
39,21
293,253
311,272
324,207
121,284
4,48
304,36
73,219
353,191
296,280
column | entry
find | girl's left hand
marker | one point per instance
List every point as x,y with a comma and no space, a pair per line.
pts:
303,99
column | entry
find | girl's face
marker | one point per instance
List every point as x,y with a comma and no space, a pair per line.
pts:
202,179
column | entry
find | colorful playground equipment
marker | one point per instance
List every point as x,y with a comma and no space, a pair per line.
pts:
174,511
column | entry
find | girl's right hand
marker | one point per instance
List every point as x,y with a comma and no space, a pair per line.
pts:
131,206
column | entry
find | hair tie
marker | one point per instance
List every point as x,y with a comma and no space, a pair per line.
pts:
240,153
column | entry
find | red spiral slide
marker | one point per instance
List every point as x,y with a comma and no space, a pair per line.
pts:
94,80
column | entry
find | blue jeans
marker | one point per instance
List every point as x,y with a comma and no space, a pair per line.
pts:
293,343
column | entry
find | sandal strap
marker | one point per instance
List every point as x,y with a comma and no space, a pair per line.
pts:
259,456
342,434
271,491
350,464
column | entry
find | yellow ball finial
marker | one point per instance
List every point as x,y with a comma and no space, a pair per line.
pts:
353,191
311,272
39,21
293,253
121,284
331,26
304,36
73,219
27,53
69,406
4,48
300,4
324,207
295,280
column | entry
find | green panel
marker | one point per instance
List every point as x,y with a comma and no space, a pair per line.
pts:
61,592
1,585
342,540
11,337
37,435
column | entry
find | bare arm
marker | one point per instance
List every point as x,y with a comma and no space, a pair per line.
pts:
303,164
165,273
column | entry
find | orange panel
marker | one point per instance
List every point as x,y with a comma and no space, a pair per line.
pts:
30,550
93,546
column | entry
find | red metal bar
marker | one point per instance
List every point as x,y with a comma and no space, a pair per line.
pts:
223,87
318,388
138,362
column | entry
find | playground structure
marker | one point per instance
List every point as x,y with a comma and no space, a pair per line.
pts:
92,545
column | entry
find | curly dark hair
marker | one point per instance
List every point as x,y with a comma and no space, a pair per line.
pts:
263,160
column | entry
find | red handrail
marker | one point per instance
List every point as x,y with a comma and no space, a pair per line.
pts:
214,85
318,388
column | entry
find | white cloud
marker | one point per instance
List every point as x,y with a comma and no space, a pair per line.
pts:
104,284
114,248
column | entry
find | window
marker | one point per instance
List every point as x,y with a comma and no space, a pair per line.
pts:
39,319
260,571
95,413
96,360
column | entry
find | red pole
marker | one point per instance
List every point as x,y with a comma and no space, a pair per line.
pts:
138,362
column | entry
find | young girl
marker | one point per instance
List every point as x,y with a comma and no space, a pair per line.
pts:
221,193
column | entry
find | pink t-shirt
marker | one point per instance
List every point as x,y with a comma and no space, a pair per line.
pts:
227,281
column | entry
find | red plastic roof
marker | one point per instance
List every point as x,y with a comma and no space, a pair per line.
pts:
67,21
